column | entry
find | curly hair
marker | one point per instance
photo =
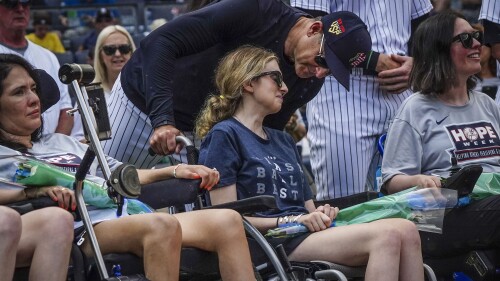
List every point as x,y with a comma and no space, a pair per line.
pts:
234,70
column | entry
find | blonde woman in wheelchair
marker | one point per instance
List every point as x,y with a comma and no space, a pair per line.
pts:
256,160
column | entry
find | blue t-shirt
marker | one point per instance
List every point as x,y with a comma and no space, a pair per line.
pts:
257,166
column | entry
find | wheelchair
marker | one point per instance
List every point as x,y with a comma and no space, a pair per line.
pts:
270,263
273,265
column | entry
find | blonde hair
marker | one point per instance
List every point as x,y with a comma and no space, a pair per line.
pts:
234,70
101,75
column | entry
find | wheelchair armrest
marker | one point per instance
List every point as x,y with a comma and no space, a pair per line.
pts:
171,192
249,205
347,201
25,206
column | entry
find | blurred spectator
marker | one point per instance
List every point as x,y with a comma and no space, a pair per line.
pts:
42,36
102,19
157,23
470,9
175,11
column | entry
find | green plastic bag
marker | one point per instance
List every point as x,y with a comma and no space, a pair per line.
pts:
32,172
487,185
423,206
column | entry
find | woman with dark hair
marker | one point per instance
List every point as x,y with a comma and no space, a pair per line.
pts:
156,237
23,239
443,122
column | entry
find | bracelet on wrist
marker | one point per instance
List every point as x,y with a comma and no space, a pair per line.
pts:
175,169
296,219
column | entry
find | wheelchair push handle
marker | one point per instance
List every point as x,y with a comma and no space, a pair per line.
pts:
82,73
192,152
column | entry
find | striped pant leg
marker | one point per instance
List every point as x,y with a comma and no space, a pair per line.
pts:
131,130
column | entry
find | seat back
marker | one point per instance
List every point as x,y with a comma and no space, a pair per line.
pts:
66,57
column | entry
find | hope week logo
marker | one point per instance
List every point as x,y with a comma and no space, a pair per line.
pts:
474,141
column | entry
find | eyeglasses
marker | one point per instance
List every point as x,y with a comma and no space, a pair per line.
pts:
275,75
320,57
467,39
11,4
110,50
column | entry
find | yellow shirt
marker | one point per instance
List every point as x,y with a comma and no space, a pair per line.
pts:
51,42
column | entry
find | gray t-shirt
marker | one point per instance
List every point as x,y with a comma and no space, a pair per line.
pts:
426,133
65,152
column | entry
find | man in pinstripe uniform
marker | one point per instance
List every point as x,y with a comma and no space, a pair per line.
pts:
164,84
346,120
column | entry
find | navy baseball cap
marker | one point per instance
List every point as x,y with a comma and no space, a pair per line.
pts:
347,44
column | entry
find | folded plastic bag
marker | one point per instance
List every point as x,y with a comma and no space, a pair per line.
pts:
32,172
487,185
423,206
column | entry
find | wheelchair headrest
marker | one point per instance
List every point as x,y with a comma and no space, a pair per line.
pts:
49,91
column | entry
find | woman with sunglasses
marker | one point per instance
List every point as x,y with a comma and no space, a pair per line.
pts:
114,47
445,120
256,160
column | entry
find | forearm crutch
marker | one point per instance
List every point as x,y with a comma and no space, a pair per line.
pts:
123,181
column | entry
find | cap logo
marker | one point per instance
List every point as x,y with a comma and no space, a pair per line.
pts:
337,27
357,59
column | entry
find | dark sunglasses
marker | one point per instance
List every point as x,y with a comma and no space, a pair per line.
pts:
11,4
110,50
275,75
467,39
320,57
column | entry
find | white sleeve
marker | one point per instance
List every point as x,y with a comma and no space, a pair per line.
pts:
420,8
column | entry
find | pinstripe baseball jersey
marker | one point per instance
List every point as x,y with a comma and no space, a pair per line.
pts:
317,5
344,125
490,10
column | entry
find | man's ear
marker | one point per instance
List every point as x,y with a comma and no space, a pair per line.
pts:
316,27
